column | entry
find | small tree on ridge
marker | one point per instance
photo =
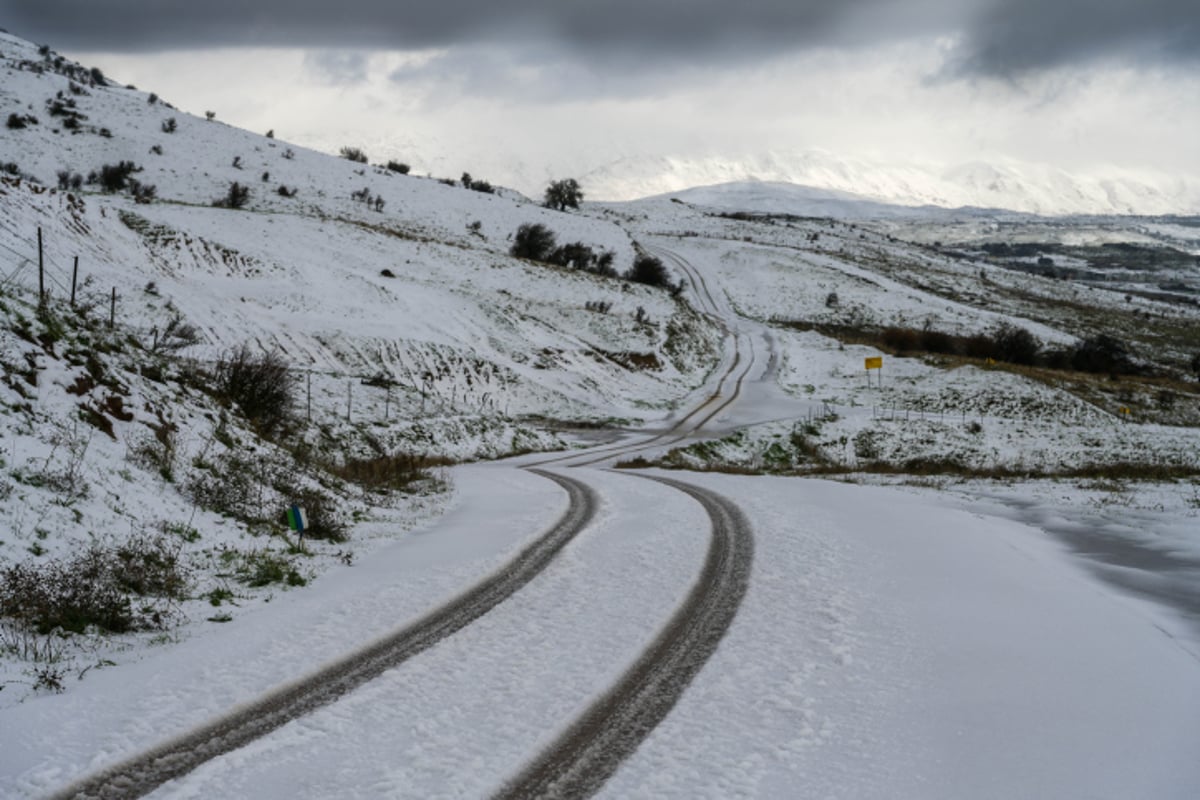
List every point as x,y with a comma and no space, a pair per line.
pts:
563,194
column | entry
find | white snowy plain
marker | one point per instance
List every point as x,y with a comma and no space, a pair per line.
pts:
889,646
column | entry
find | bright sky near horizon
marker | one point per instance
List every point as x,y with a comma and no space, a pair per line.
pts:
518,91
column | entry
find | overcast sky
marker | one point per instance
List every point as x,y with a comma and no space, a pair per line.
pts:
529,88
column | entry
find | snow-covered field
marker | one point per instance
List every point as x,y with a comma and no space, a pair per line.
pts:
925,635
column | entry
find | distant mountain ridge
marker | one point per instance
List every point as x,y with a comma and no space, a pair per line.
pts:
770,197
1014,186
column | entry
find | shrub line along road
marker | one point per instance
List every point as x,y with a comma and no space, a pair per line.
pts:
591,748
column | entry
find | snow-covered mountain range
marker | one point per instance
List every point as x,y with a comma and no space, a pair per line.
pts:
999,183
1014,186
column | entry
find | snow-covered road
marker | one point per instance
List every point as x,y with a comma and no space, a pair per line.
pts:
887,646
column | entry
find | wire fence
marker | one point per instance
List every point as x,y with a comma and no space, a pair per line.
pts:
19,268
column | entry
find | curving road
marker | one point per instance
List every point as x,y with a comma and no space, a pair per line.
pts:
610,730
144,772
739,362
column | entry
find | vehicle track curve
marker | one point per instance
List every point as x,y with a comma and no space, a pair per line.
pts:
142,773
592,748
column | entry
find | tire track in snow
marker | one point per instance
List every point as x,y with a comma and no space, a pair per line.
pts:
579,762
742,360
144,772
699,285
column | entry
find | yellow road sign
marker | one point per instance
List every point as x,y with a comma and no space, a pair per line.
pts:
874,363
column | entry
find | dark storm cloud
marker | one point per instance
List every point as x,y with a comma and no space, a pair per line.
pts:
631,25
1018,36
997,37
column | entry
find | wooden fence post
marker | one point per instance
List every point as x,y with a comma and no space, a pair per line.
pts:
41,272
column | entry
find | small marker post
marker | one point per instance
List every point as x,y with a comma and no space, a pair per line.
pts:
298,521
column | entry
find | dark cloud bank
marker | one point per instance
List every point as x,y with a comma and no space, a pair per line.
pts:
998,37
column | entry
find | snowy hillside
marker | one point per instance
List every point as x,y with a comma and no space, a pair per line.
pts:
415,284
1028,188
409,337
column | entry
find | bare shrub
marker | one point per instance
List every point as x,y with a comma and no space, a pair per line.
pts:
97,588
1102,353
263,568
385,473
325,520
28,645
232,485
175,334
979,346
259,384
899,340
157,450
235,197
935,341
1015,345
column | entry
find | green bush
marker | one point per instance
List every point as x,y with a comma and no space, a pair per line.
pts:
265,567
650,271
563,194
533,241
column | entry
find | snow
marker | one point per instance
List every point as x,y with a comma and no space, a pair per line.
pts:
169,689
820,183
934,638
889,646
893,647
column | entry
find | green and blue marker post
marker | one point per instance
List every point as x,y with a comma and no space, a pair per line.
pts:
297,521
